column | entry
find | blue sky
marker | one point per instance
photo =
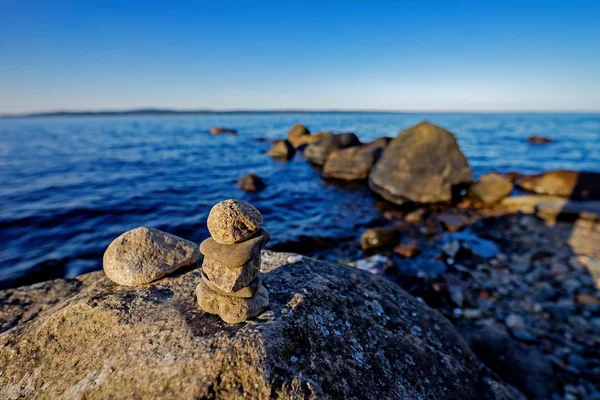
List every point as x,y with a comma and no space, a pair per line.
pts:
312,54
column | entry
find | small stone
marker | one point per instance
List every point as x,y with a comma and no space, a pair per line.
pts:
376,238
294,259
232,310
236,255
415,216
523,335
515,321
228,279
588,299
216,130
472,313
233,221
409,250
251,183
538,140
144,255
246,292
453,222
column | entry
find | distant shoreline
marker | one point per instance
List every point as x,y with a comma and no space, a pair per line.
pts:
142,112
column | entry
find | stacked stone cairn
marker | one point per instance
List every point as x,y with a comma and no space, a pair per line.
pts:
231,285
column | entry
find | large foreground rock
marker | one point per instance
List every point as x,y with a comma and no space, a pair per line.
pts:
355,162
330,332
572,184
421,165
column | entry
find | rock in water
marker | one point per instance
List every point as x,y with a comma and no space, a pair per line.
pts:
572,184
376,238
539,140
143,255
330,332
233,221
215,130
297,134
251,183
420,165
317,152
490,189
282,149
354,162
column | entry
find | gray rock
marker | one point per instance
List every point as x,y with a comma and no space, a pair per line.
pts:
490,188
352,335
233,221
231,309
355,162
236,255
247,292
230,279
421,165
144,255
317,152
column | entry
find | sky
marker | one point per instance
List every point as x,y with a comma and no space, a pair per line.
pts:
395,55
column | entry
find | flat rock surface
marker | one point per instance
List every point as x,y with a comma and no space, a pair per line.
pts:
143,255
330,332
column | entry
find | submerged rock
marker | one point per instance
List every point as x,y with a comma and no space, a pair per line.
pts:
317,152
572,184
143,255
233,221
215,130
251,183
355,162
490,188
282,149
330,332
539,140
421,165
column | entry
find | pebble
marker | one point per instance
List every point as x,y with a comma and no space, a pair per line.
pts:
144,255
233,221
514,321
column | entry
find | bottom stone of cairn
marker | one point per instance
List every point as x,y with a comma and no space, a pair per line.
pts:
232,309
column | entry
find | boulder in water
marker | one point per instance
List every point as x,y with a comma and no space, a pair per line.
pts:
251,183
354,162
539,140
572,184
317,152
421,165
297,134
330,332
282,149
215,130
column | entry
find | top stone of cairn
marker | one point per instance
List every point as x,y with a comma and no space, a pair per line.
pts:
233,221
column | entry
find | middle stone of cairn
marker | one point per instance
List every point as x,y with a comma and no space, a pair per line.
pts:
231,286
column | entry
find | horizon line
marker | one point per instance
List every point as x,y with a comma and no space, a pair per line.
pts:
170,111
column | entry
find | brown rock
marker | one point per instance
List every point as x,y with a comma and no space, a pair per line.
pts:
296,134
232,310
237,255
143,255
233,221
251,183
368,339
308,139
246,292
376,238
572,184
282,149
354,162
588,299
490,189
215,130
415,216
408,250
317,152
230,280
421,165
538,140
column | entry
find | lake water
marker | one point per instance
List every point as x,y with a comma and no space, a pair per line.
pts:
70,185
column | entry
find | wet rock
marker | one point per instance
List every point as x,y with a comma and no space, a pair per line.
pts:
408,250
453,222
354,162
232,309
282,149
422,165
490,189
251,183
563,210
215,130
572,184
231,279
539,140
144,255
514,321
317,152
415,216
376,238
233,221
237,255
296,134
152,341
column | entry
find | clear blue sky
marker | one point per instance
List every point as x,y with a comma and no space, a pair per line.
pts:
311,54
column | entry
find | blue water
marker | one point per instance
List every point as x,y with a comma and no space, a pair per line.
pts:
70,185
